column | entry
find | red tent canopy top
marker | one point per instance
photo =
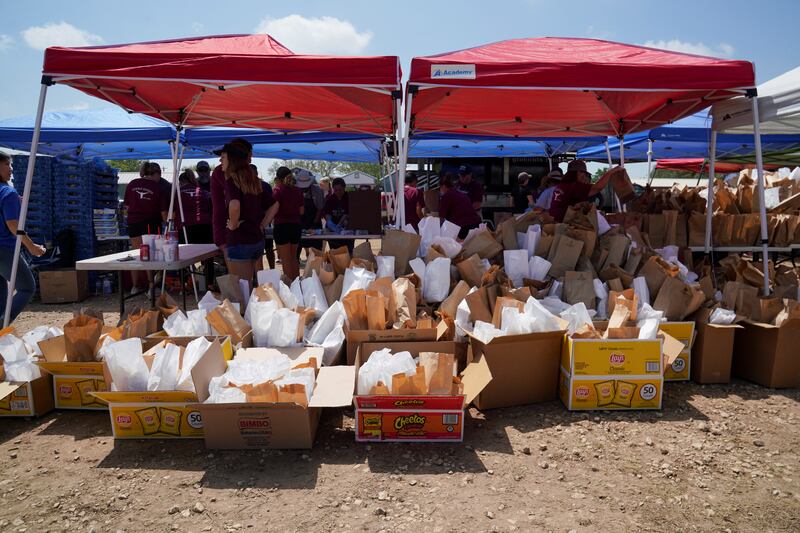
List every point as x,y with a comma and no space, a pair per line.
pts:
564,86
698,165
235,80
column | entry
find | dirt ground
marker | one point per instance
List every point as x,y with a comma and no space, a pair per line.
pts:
716,458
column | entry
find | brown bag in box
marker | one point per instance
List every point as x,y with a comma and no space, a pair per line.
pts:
722,229
501,303
230,289
355,307
633,261
673,298
724,199
340,259
617,246
479,306
293,393
135,326
384,286
266,392
768,309
357,262
434,252
402,246
376,310
410,385
655,271
405,299
268,293
625,332
438,371
457,295
656,230
80,338
565,254
334,289
364,251
166,305
227,321
625,298
471,270
578,287
508,233
544,245
697,229
482,243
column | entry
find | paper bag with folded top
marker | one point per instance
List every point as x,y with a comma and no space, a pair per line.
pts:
355,307
724,200
564,255
384,287
482,243
614,272
500,303
578,287
226,320
439,369
333,290
166,305
405,298
471,270
339,259
80,338
450,304
402,246
655,271
626,298
674,298
141,323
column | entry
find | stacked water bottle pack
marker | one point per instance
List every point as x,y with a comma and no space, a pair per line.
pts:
39,221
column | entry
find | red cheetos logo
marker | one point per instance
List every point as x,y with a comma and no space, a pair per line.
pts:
400,403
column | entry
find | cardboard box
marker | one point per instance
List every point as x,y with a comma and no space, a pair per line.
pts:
354,338
768,355
459,349
524,368
155,414
247,341
680,369
712,353
28,398
73,383
269,425
615,374
429,418
63,286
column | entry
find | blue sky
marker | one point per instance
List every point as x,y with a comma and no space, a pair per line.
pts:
765,33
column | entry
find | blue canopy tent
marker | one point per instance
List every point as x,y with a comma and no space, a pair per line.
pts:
690,138
438,145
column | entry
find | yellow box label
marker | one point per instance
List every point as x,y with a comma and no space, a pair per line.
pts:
73,369
684,332
75,392
156,421
18,403
612,392
615,357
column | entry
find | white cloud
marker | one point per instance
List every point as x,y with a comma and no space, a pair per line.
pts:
318,35
58,34
700,49
198,27
5,42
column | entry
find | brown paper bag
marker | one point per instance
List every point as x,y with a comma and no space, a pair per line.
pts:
670,227
471,270
656,230
501,303
655,271
355,307
334,290
578,287
565,254
265,392
405,298
166,305
434,252
136,326
722,229
364,251
409,385
633,261
80,338
626,298
544,245
697,229
614,272
482,243
227,321
623,187
402,246
450,304
438,371
479,305
340,259
376,310
268,293
384,286
357,262
616,245
674,298
230,289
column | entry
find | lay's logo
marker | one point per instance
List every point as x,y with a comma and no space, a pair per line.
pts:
582,392
617,358
124,419
453,72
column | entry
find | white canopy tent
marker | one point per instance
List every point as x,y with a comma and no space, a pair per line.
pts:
774,107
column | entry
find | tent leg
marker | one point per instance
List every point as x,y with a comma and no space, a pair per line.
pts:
173,192
183,222
26,196
401,175
620,207
710,200
549,163
760,183
649,161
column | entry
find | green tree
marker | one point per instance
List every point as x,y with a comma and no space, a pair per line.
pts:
599,173
373,169
318,168
126,165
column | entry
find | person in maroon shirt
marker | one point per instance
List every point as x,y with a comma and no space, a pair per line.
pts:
250,210
575,187
336,211
470,187
413,201
287,227
147,202
196,208
456,207
219,214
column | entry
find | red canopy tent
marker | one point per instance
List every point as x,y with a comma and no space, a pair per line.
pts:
231,80
698,165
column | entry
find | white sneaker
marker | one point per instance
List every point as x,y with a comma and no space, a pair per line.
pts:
135,291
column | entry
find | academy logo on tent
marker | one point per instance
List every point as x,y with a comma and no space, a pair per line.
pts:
453,72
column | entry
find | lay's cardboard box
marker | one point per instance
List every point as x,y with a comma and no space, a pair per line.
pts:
24,398
157,414
680,368
615,374
73,382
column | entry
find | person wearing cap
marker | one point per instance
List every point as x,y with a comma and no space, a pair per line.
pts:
204,175
219,209
250,210
336,212
455,206
574,188
287,229
471,188
549,183
414,200
522,194
313,202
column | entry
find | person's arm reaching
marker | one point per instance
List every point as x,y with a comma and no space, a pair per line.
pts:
35,249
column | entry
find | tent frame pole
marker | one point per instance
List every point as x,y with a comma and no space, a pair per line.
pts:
181,149
649,161
26,196
762,206
620,207
401,175
710,192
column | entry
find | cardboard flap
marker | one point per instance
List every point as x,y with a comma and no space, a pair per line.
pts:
111,397
475,378
210,365
299,355
54,350
503,339
670,347
7,388
335,386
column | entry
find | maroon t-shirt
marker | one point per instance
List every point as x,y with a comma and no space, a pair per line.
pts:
473,190
290,200
219,214
567,194
196,205
336,208
252,208
456,207
146,199
413,198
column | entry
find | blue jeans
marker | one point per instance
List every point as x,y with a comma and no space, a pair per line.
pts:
245,252
24,287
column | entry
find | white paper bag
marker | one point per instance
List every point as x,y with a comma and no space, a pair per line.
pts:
164,370
533,235
516,265
191,355
356,278
385,266
436,286
314,294
272,276
128,370
538,267
283,328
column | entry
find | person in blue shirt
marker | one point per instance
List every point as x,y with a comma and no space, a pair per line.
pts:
25,285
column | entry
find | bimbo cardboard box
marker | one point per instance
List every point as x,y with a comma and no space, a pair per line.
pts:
73,382
680,368
26,398
418,418
275,425
458,349
768,355
154,414
524,368
712,353
615,374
